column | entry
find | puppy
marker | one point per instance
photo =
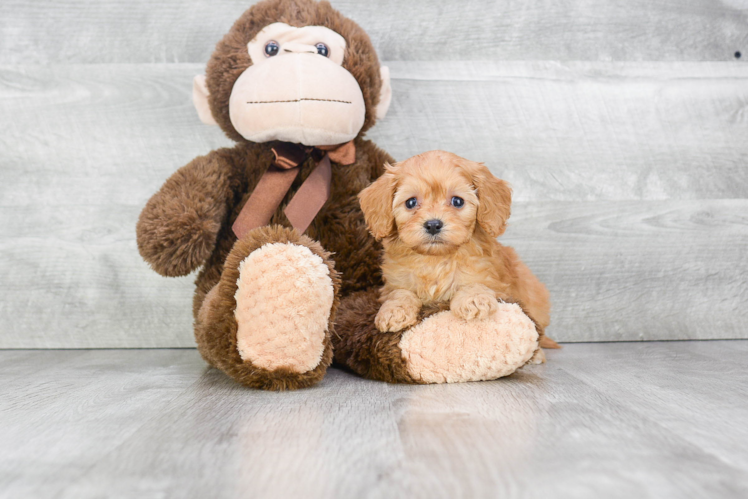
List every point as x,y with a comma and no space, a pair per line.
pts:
438,216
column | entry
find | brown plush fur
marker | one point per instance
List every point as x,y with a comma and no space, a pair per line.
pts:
362,348
463,263
339,226
187,223
211,326
178,227
165,242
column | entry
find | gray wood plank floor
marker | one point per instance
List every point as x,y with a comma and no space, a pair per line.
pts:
659,419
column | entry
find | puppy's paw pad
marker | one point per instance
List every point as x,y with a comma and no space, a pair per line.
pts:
479,306
394,318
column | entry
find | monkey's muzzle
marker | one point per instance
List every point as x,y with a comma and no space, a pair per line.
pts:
301,98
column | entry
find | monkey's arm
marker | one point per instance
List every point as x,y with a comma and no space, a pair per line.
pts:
177,229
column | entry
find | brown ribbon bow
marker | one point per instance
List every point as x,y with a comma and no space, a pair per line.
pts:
275,183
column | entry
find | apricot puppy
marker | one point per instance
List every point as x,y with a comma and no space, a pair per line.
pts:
438,216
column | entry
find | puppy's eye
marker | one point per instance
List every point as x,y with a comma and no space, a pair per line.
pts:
272,48
457,202
322,49
411,203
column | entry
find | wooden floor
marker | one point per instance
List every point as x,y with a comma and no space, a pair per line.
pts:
657,419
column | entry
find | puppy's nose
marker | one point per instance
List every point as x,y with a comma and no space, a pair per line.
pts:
433,226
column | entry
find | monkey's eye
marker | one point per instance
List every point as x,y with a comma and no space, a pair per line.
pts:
457,202
322,49
272,48
411,203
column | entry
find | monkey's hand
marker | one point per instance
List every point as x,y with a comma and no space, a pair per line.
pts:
474,302
399,311
178,227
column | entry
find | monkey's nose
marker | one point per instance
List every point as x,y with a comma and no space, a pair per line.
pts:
433,226
299,48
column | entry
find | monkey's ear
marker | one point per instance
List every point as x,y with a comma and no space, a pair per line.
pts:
385,93
495,201
200,100
376,204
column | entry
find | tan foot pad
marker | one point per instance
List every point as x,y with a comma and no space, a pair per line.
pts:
443,348
283,304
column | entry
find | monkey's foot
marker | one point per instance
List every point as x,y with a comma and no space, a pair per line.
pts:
283,303
445,348
270,315
440,348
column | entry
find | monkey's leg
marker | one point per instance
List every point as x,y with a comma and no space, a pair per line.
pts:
440,348
267,322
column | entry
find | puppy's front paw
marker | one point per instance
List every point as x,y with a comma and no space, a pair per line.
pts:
393,317
473,306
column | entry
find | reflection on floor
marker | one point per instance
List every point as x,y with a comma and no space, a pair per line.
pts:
627,419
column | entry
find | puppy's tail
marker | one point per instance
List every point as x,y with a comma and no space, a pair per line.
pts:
548,343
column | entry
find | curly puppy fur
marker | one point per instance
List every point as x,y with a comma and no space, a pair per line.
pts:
459,261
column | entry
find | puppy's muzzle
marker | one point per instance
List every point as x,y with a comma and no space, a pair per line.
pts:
433,226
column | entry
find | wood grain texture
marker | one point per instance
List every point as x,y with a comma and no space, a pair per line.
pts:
578,131
661,396
638,270
599,420
139,31
98,134
616,271
72,277
63,411
83,147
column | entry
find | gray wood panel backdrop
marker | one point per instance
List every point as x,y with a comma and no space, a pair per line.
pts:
622,125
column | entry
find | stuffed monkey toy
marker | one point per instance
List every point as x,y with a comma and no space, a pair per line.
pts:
289,274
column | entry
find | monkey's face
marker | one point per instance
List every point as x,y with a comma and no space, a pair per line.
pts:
296,89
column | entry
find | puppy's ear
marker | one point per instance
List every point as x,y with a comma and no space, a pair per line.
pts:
495,201
376,203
